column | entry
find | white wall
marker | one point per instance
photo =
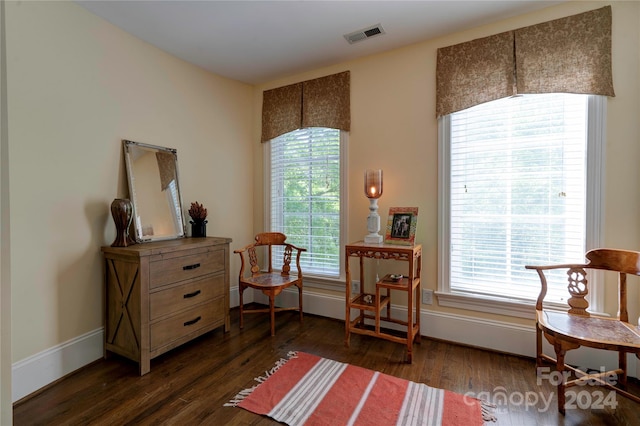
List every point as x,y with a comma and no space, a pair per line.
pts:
77,86
5,288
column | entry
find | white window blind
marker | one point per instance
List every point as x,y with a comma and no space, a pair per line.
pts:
305,195
517,194
173,199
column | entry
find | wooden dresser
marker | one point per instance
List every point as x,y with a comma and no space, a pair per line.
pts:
162,294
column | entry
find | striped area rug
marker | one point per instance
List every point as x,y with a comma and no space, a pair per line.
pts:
309,390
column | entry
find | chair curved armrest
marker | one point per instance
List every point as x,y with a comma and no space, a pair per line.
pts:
300,249
560,266
243,249
242,262
543,279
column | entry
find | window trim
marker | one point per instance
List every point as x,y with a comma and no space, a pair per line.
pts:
596,144
314,280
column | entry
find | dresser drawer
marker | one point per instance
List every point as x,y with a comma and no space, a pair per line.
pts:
166,331
174,299
167,271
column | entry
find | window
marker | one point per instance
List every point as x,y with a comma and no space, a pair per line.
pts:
173,199
520,183
306,182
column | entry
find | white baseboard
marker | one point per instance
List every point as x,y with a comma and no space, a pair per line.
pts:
234,299
496,335
468,330
41,369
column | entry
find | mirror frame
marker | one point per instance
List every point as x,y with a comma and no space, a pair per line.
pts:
139,222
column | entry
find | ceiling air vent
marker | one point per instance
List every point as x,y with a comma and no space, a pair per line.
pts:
364,33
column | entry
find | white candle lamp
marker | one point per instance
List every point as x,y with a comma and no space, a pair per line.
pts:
373,191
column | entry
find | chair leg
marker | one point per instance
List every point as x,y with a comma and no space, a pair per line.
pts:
622,364
538,346
241,291
272,313
300,302
560,353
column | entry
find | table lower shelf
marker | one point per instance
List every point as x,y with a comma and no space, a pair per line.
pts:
367,302
357,326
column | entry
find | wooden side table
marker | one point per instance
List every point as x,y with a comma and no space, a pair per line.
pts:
370,306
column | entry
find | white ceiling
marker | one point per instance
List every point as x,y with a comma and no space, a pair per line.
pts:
259,41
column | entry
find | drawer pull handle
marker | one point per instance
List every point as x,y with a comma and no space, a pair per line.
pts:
194,266
193,321
189,295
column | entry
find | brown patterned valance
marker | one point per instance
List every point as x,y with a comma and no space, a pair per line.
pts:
569,55
475,72
321,102
281,111
326,102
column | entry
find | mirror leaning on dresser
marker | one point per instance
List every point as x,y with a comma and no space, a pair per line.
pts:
154,190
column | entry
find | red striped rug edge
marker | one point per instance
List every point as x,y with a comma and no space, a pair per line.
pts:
240,396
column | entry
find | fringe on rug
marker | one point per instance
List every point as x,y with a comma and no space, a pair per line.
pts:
488,411
260,379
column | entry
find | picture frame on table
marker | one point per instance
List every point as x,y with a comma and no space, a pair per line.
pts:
401,226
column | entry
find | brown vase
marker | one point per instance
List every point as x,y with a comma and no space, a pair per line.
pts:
122,212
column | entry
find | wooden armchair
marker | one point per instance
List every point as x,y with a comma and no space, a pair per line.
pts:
577,327
270,282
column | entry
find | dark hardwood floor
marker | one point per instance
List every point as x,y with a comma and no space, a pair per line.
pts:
191,384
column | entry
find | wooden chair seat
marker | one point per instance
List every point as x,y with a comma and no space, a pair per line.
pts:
594,332
269,282
578,327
